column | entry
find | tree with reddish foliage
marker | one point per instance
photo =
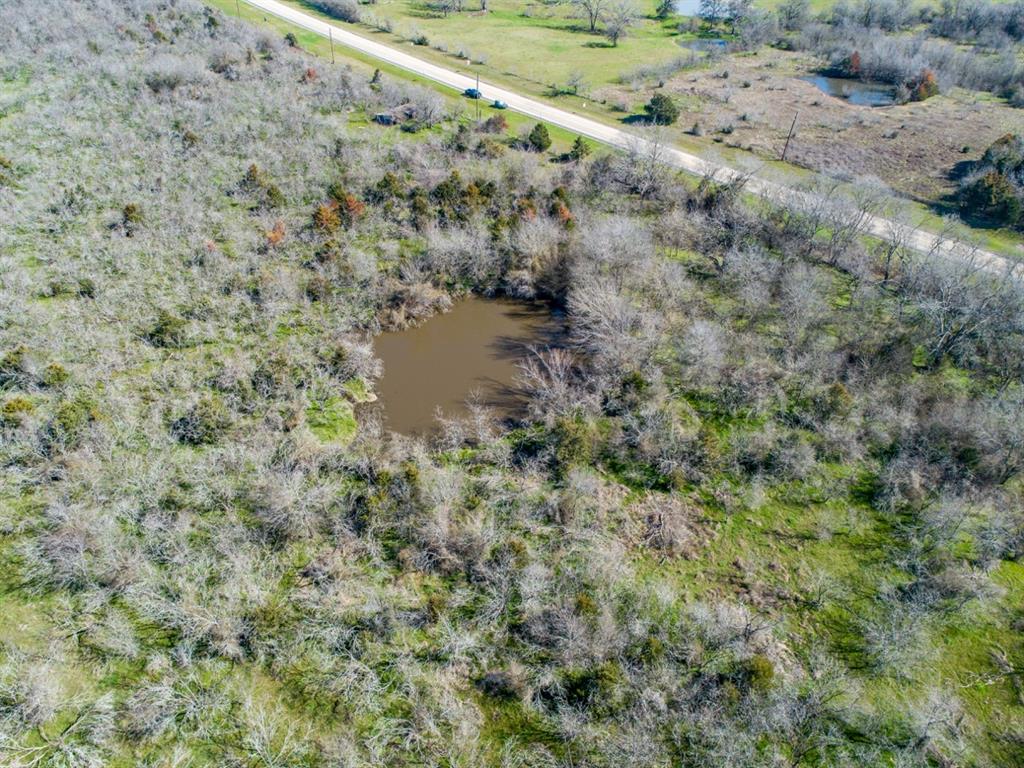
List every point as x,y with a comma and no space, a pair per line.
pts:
853,66
561,212
276,234
927,86
352,209
527,210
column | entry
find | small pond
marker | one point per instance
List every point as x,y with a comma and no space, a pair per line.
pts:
705,44
474,348
854,91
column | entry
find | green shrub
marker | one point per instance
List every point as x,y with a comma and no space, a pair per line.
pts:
573,444
202,423
586,605
758,672
6,172
489,148
257,184
390,187
131,218
71,417
168,331
55,375
500,684
592,687
318,288
86,287
661,110
15,410
995,198
12,366
994,192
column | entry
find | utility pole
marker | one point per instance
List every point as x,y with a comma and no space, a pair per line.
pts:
238,9
789,138
478,97
330,34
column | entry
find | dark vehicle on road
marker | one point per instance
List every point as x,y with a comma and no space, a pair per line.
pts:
499,104
471,93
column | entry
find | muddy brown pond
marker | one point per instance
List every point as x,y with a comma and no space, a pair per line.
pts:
474,348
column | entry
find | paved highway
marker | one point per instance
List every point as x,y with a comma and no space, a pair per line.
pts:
607,134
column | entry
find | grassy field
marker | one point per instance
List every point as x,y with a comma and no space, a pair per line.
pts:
544,44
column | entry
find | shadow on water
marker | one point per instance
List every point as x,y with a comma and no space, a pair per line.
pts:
473,350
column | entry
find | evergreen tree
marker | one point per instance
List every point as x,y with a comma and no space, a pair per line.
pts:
661,110
539,138
580,149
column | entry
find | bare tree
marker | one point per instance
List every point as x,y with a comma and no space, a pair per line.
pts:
620,16
644,170
713,11
737,11
960,302
591,10
549,379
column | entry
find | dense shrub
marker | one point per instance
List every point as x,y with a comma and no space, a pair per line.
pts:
202,423
994,190
661,110
168,330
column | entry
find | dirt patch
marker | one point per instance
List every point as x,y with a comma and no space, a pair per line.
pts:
748,101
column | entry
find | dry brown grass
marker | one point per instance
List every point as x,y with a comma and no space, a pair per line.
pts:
913,148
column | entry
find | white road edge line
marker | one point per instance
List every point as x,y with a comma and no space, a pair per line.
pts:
878,226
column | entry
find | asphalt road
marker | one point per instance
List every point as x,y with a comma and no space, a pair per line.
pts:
616,137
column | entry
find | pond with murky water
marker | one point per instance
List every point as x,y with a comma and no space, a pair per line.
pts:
474,348
854,91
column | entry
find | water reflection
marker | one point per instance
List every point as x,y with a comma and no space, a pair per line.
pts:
854,91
